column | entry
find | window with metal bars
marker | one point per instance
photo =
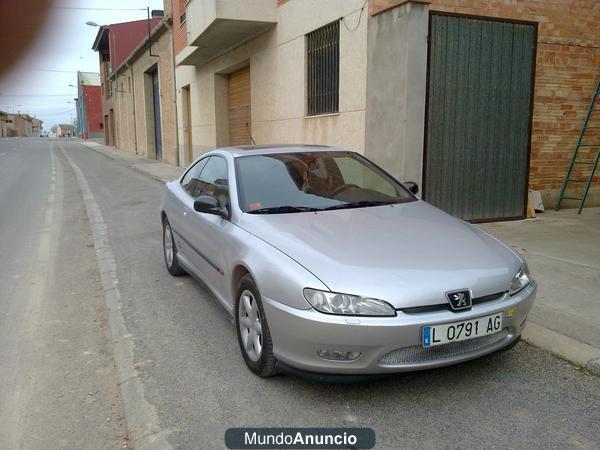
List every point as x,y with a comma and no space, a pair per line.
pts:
182,11
323,69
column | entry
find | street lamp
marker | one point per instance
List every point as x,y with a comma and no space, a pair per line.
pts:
94,24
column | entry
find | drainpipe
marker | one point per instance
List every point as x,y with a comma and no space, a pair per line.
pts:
170,28
134,114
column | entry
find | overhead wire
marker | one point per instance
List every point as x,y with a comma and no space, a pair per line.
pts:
98,9
359,18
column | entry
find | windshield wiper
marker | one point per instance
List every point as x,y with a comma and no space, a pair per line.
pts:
360,204
283,209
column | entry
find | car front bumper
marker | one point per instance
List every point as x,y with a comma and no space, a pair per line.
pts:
387,344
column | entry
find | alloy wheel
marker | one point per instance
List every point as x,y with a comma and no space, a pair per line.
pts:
168,244
250,325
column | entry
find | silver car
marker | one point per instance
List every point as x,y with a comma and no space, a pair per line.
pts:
331,266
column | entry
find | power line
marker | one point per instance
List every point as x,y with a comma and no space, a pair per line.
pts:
359,18
38,95
99,9
56,113
50,70
46,114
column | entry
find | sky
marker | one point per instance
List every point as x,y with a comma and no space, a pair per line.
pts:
39,83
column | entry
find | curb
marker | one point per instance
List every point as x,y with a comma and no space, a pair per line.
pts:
94,146
98,148
578,353
141,417
149,175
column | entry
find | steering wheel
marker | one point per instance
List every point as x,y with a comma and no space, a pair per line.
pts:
343,187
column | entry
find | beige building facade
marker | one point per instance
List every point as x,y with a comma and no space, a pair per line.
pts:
65,130
227,38
477,102
36,127
3,124
138,87
144,99
7,125
19,125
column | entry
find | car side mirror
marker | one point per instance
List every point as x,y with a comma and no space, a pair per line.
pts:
411,186
210,205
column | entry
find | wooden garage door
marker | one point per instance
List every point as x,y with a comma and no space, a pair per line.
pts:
240,123
478,116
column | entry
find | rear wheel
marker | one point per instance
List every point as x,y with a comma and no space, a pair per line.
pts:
253,330
170,250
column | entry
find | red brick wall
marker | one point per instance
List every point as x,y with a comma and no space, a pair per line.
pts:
179,29
567,67
92,96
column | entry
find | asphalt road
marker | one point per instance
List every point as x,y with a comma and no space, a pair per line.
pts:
55,347
57,379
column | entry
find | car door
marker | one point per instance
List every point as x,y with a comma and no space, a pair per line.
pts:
208,232
184,198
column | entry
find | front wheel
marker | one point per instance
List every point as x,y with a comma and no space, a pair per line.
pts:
253,330
170,251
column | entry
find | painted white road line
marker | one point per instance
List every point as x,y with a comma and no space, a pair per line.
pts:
40,274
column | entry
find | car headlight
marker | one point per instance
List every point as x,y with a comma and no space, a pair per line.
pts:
520,281
344,304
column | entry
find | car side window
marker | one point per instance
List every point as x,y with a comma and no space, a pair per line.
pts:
213,180
190,180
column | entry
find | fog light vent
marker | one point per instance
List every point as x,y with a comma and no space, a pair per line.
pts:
335,355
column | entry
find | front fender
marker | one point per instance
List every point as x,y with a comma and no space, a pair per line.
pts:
277,276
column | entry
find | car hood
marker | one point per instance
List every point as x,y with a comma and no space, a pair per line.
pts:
408,254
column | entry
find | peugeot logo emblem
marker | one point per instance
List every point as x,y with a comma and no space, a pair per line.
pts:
459,300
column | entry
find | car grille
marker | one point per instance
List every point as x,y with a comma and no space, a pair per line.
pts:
417,354
446,306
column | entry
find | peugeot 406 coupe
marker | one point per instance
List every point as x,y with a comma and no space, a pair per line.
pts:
329,265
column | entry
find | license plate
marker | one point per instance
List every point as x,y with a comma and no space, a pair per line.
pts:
461,331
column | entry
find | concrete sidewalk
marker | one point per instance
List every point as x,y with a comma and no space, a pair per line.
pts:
152,168
563,253
562,250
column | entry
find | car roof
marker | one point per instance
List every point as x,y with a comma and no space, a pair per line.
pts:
269,149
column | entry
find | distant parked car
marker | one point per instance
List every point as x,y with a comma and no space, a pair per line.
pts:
330,265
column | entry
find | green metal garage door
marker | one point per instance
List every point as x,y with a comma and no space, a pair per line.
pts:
478,116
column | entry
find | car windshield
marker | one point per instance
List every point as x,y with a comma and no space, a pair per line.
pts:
313,181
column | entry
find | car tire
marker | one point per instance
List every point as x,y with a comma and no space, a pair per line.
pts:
511,345
249,309
170,251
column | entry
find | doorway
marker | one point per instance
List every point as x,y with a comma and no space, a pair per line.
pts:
111,122
478,126
156,114
106,129
240,121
